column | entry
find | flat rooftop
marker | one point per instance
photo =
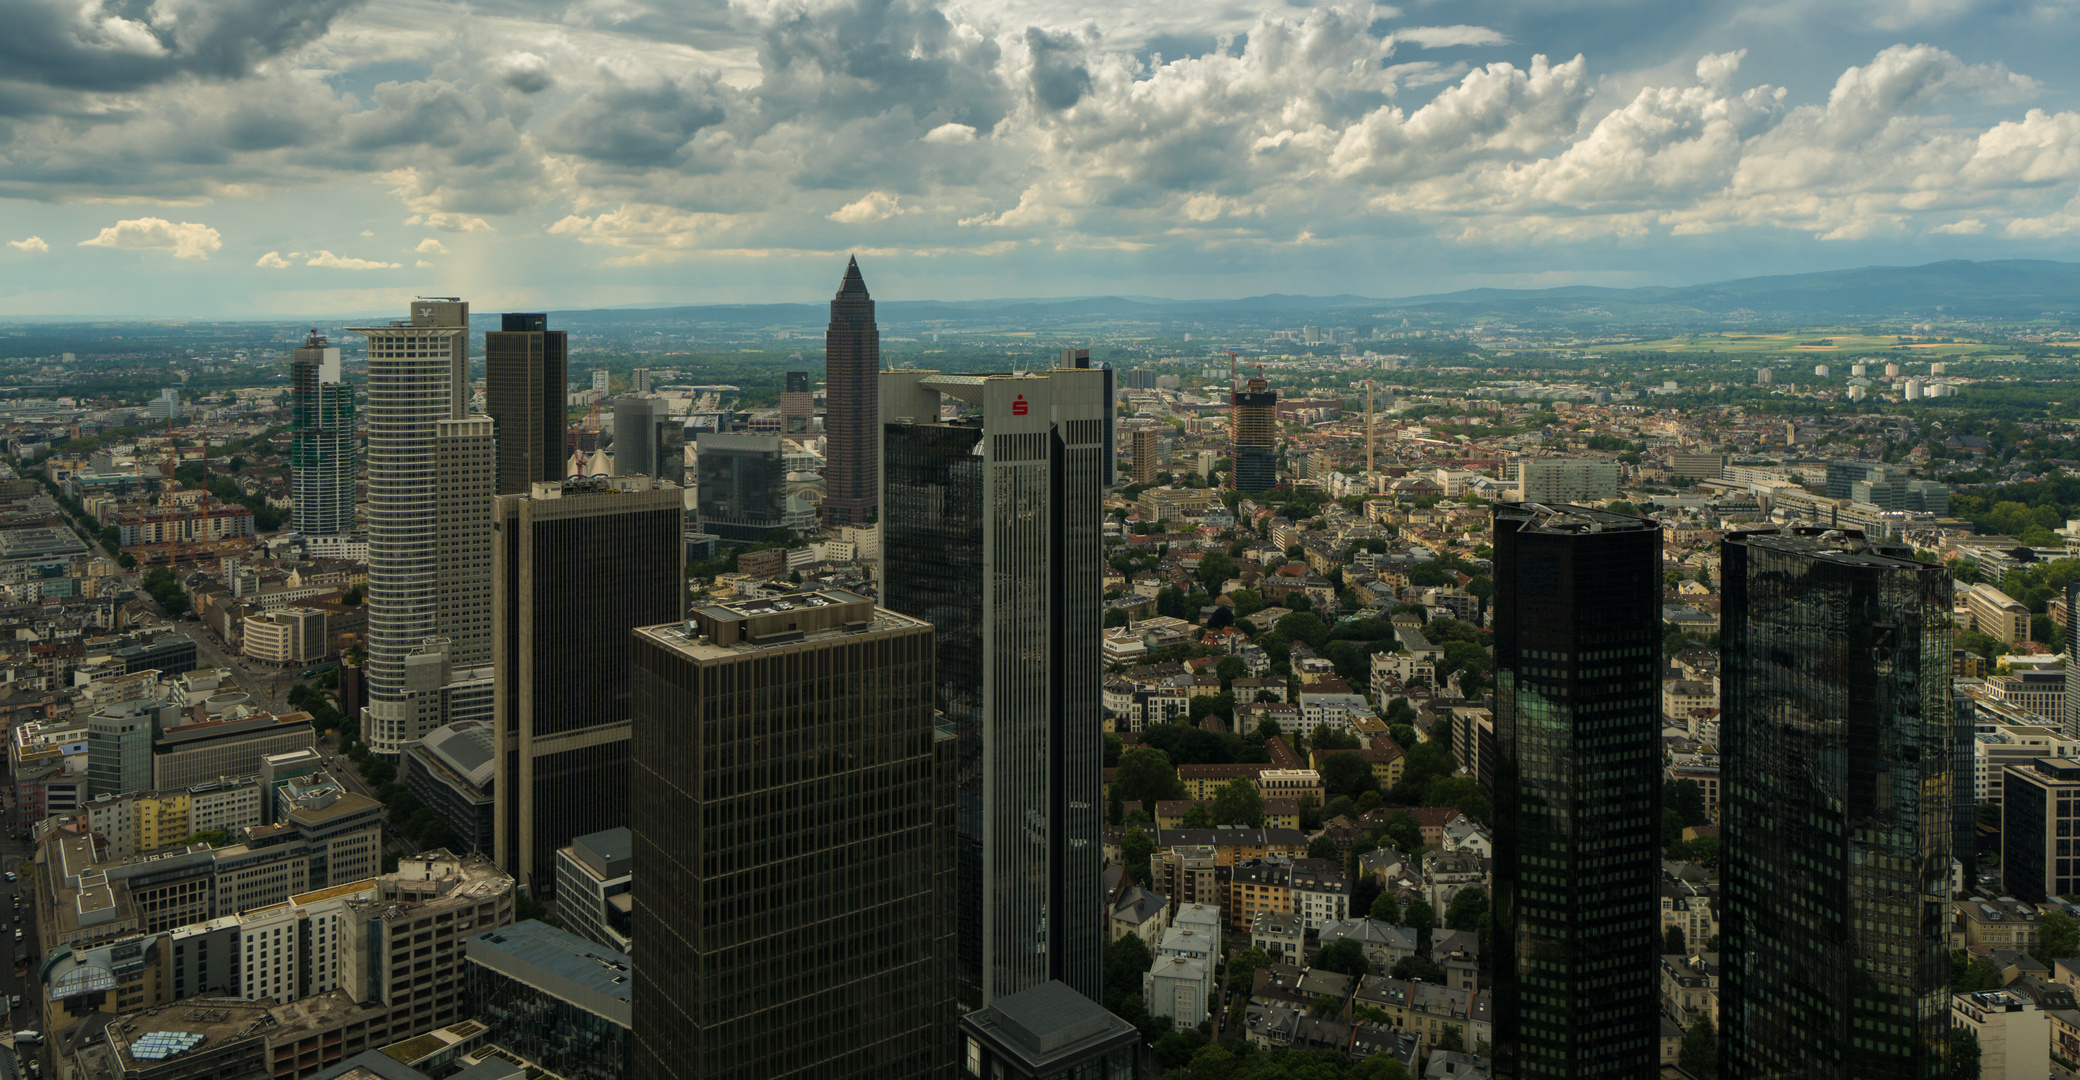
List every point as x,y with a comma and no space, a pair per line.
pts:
1847,546
1564,518
537,944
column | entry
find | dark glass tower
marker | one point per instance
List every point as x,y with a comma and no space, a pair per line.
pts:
743,486
526,382
790,793
991,532
648,440
573,573
1577,793
852,416
1836,751
321,446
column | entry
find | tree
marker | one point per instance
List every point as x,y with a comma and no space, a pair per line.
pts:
1461,793
1346,773
1404,832
1126,960
1418,967
1321,847
1215,569
1146,776
1310,815
1198,817
2058,938
1420,915
1468,907
1345,957
1135,849
1176,1049
1672,943
1686,797
1379,1067
1964,1054
1115,809
1213,1063
1387,909
1700,1057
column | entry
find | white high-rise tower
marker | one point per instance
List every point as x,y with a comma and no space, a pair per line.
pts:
418,376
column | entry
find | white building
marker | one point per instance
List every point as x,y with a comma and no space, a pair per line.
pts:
1566,480
418,376
2014,1033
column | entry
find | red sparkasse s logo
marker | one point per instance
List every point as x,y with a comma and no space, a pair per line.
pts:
1018,407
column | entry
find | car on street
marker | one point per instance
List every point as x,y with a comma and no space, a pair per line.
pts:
10,876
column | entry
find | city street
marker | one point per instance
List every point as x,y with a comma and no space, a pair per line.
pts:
265,687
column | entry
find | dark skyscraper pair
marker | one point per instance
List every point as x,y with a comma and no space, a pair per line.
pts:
852,415
991,531
1838,745
526,383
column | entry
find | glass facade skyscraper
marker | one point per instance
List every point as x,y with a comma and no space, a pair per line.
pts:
1837,739
1577,793
322,462
991,532
1253,431
578,566
790,794
526,385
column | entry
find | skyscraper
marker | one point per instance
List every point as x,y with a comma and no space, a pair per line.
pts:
852,359
1836,743
797,405
2070,721
648,440
790,794
990,530
742,494
465,469
1253,434
1146,454
1577,793
526,383
417,376
578,565
321,440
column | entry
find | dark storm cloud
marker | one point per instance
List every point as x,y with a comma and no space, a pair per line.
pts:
636,124
128,44
1060,78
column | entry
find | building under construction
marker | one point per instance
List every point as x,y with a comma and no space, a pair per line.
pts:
1254,427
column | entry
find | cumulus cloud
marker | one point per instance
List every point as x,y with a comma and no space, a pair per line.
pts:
651,132
1444,37
272,261
187,240
341,262
33,245
526,72
874,206
950,132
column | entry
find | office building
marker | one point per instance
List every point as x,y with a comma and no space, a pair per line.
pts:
119,746
554,999
797,405
526,385
2070,717
1684,466
594,876
742,488
579,564
1996,614
2037,817
206,750
322,461
450,772
1046,1032
1253,436
1147,452
465,468
418,375
852,427
648,441
1842,476
1566,480
991,531
1836,746
404,947
808,942
1577,792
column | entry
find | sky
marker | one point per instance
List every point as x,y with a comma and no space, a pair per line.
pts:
279,158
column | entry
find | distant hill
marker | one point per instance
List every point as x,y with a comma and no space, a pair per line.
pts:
2012,288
